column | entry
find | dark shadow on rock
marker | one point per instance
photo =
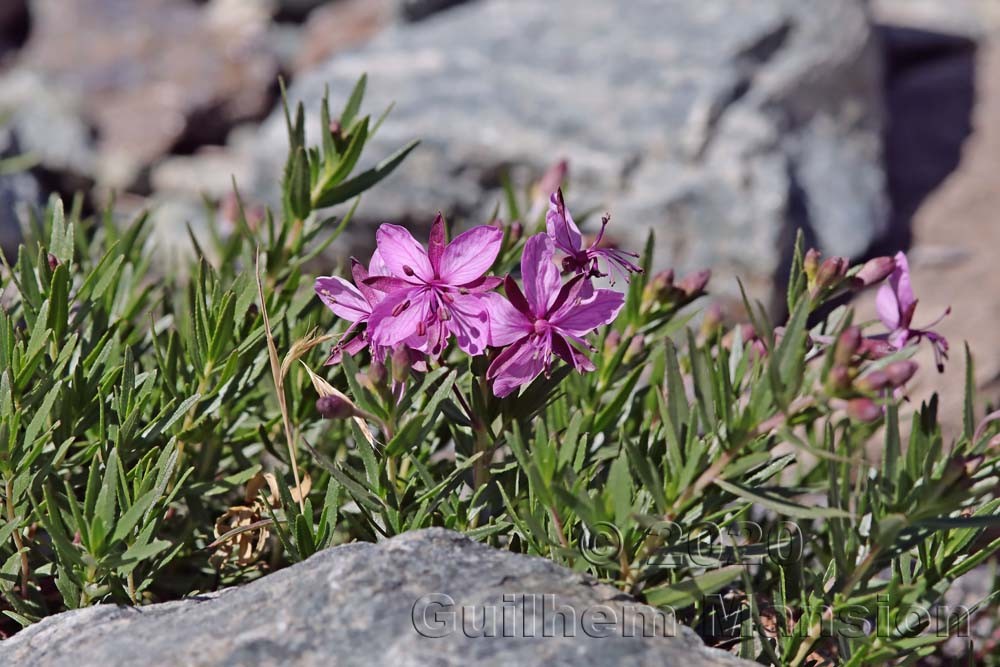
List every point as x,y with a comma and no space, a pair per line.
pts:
930,91
15,24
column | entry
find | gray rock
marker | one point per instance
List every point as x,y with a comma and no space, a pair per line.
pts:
721,125
151,76
18,189
395,603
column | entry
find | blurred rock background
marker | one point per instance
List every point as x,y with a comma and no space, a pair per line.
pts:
724,126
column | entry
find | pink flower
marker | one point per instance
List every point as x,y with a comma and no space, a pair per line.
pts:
545,319
566,236
432,293
896,304
354,303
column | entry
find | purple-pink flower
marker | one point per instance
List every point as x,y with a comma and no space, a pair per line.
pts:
354,303
431,294
567,238
896,304
545,319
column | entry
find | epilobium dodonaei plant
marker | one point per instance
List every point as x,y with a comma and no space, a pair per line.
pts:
165,433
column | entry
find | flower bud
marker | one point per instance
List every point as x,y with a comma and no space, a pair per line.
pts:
874,348
53,262
553,178
839,379
810,264
362,379
693,284
400,364
831,272
612,342
712,321
900,372
875,270
336,129
516,231
874,381
848,343
377,373
635,347
334,407
863,409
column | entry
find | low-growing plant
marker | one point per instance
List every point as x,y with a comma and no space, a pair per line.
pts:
165,434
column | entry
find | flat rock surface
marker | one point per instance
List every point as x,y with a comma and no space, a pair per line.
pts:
720,125
400,602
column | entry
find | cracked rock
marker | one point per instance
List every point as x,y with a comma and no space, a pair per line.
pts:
429,597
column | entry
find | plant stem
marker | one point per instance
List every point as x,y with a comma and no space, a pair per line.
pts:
279,385
18,538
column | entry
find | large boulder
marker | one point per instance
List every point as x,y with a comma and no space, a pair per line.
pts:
721,125
401,602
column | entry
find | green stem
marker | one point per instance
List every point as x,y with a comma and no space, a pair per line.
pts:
18,538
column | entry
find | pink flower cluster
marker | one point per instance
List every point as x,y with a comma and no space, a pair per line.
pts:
420,299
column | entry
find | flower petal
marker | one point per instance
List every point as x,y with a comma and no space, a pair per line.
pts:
572,356
360,275
403,256
350,348
377,265
539,274
470,255
519,364
436,243
580,318
343,298
887,307
469,321
507,323
560,226
400,316
900,282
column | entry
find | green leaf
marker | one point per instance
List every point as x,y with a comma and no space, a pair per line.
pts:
691,591
777,503
353,104
365,180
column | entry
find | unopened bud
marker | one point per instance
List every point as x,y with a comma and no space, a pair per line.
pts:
53,262
377,373
612,342
874,348
831,272
516,231
863,409
553,178
900,372
839,379
875,270
810,264
848,343
635,347
400,364
362,379
693,284
334,407
874,381
712,321
659,287
336,129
